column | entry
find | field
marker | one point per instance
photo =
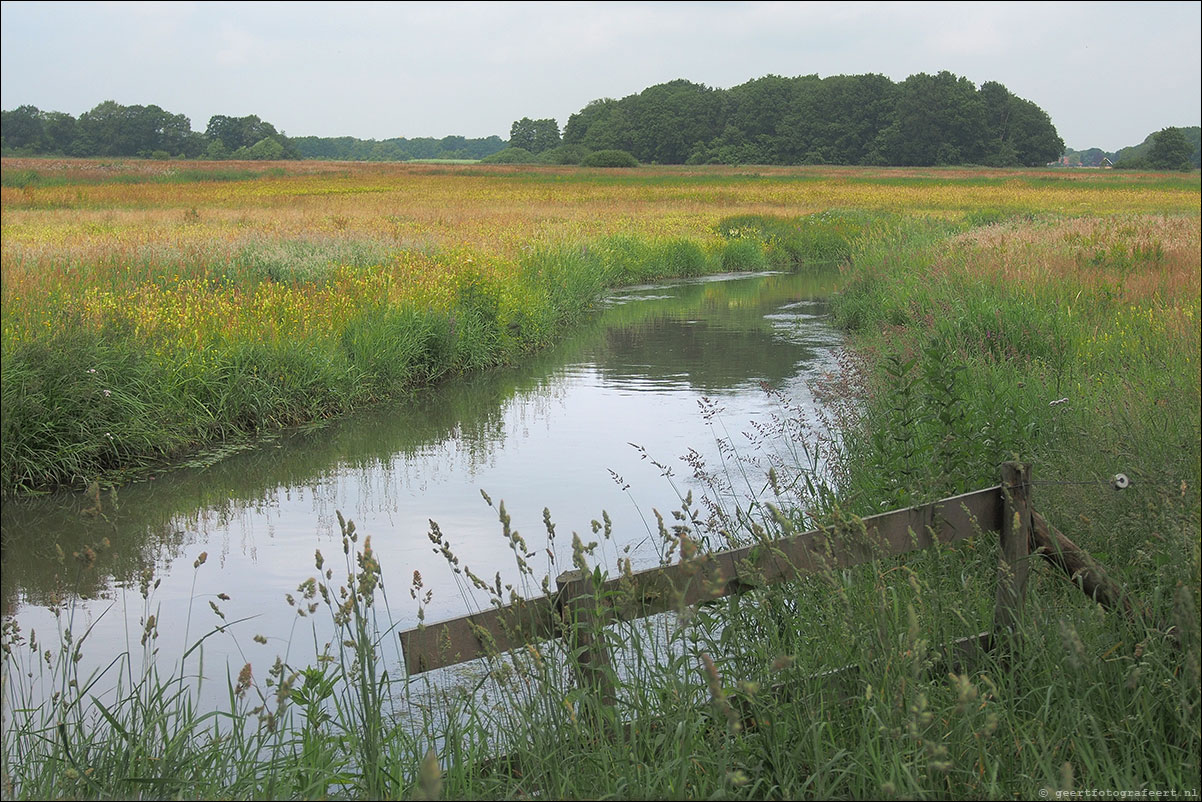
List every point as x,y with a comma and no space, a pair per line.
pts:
154,309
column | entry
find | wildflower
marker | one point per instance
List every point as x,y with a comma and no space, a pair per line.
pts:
244,680
430,777
1073,647
149,630
718,693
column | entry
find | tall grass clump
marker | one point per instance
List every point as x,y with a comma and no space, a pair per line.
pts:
821,237
734,699
99,379
1072,343
977,337
138,727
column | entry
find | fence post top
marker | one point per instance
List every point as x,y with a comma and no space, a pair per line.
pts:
1014,471
575,575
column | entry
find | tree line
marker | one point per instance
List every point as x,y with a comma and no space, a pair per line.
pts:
1169,148
397,149
111,129
843,119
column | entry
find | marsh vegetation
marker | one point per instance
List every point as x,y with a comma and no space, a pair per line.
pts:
992,315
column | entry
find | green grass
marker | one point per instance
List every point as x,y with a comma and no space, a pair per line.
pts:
81,403
955,369
22,179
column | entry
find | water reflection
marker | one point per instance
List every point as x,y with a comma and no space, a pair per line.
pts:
552,433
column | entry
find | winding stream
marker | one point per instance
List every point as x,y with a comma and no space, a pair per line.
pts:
577,430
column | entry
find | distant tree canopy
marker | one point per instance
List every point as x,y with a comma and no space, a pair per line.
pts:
1170,150
348,148
111,129
534,135
248,138
844,119
1164,150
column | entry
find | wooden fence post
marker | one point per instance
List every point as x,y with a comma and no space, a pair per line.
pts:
583,631
1015,546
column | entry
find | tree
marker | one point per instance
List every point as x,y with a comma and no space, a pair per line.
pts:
61,131
246,132
22,128
1017,131
580,125
667,121
111,129
836,119
1170,150
939,119
534,135
758,106
266,149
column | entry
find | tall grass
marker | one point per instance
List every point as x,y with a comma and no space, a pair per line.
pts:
101,379
724,701
1071,343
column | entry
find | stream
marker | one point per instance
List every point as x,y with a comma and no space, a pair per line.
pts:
595,427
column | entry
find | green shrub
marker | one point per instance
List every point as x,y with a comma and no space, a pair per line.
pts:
20,178
609,158
564,154
741,254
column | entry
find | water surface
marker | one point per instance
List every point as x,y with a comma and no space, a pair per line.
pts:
590,426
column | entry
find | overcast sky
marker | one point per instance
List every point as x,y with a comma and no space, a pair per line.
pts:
1109,74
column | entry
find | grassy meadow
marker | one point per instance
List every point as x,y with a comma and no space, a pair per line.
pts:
151,310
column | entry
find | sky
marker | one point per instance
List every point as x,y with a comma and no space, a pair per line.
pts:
1108,74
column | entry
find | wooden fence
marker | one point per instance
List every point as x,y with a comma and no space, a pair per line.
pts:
580,606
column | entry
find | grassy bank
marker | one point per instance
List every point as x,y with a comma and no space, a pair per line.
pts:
1067,340
145,319
112,373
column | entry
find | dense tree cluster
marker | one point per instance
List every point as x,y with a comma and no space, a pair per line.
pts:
1168,149
111,129
843,119
348,148
534,135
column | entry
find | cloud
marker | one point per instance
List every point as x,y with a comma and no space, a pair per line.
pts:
239,47
416,69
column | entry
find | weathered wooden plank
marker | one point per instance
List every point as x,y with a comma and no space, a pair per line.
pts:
1080,568
711,576
719,574
488,632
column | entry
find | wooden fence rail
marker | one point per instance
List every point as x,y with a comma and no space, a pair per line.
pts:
1004,509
